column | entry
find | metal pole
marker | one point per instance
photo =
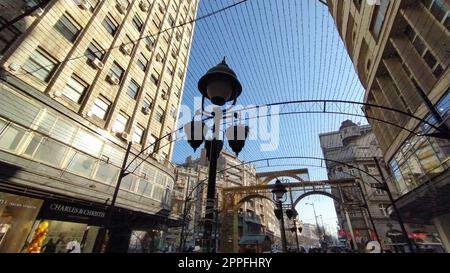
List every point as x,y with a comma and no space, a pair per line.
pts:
102,233
183,224
211,194
317,223
397,213
296,236
295,224
282,229
216,223
347,217
355,246
366,206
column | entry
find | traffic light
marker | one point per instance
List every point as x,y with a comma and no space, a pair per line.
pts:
300,229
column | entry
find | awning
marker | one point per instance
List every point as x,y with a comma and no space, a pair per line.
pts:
253,239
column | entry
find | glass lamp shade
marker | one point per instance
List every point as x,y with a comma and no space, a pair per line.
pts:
220,84
236,135
289,213
195,133
278,213
219,91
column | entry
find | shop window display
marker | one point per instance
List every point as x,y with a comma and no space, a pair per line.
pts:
62,237
17,214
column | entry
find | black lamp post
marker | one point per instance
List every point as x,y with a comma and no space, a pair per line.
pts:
279,196
220,85
292,215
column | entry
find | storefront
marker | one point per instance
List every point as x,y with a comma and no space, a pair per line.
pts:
17,215
65,227
37,222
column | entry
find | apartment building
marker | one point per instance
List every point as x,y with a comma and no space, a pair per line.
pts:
400,50
81,79
254,217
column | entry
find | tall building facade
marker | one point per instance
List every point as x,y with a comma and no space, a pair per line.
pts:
401,52
255,217
350,150
80,80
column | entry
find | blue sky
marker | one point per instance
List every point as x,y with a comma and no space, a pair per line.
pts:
282,50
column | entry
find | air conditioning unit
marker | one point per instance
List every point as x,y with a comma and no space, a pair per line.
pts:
88,114
57,93
113,79
38,12
123,135
165,96
159,58
83,4
121,7
13,67
178,37
146,110
96,63
150,46
125,49
162,9
143,5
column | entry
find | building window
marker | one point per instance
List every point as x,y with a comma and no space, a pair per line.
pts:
152,143
170,69
147,102
383,209
376,190
110,25
358,4
150,41
128,45
117,71
170,20
75,89
142,62
443,105
94,51
8,36
378,18
138,134
137,23
155,78
40,64
439,10
100,107
93,4
121,123
159,116
133,89
68,28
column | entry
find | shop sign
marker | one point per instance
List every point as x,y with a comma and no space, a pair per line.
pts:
57,210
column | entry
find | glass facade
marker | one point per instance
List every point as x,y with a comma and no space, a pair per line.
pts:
420,157
60,143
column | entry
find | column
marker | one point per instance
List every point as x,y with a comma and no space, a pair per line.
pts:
442,224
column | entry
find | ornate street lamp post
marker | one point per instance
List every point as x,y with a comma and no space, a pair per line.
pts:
279,196
220,85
